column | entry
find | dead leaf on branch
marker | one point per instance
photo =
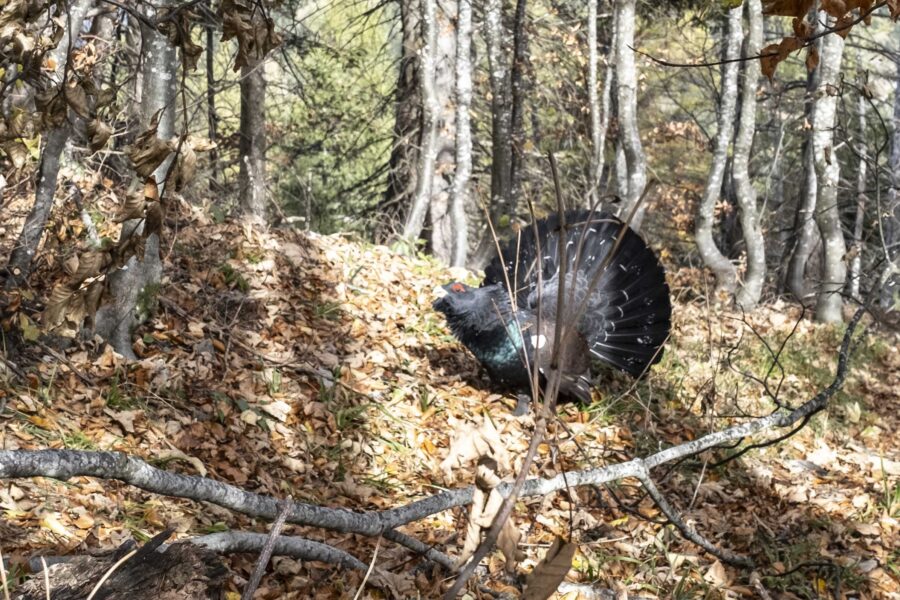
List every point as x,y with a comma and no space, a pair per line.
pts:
148,151
175,24
99,133
133,208
254,31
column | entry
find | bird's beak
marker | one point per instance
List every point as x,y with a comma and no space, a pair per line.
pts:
439,292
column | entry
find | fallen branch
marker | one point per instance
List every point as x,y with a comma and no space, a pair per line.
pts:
65,464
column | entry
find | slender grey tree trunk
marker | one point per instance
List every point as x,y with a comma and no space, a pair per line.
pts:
21,258
133,288
805,233
751,290
252,147
463,172
828,170
599,102
626,95
415,220
403,176
726,275
442,232
890,213
500,208
862,148
212,117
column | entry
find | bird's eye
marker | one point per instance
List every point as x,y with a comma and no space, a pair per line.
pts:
457,287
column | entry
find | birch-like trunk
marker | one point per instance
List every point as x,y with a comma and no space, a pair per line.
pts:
599,102
463,172
133,287
862,149
726,275
442,233
212,118
626,95
829,302
751,290
252,146
21,258
500,206
805,233
415,220
890,213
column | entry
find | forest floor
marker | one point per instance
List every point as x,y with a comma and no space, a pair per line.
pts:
312,366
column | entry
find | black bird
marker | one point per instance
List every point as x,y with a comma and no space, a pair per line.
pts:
612,276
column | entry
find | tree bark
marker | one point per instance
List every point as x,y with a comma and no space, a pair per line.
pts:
751,290
834,272
861,178
599,103
133,287
890,217
415,220
21,258
805,234
726,275
518,90
626,96
252,147
500,206
212,118
463,172
442,233
403,175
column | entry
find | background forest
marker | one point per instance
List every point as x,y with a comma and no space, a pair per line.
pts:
221,223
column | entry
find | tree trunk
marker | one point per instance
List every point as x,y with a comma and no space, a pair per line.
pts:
890,217
834,273
252,174
500,209
20,261
518,90
212,118
599,103
751,290
862,148
726,276
415,220
403,175
626,95
805,234
442,232
133,287
459,197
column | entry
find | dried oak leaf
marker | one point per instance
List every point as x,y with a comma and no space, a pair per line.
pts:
551,571
133,208
99,133
148,152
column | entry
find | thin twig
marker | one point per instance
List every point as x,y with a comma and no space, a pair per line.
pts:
284,508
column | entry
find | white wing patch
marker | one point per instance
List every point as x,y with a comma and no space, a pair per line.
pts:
538,341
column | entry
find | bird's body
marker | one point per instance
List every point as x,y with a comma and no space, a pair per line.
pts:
616,304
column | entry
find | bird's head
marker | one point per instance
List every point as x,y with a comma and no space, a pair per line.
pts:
471,309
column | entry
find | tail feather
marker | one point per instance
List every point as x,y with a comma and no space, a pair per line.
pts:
628,311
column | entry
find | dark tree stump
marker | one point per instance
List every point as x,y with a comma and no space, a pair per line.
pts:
180,572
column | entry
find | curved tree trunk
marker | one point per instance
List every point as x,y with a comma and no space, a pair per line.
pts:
751,290
55,140
626,95
726,276
828,170
133,287
460,192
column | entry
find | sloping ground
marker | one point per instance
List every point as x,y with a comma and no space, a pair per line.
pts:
314,367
